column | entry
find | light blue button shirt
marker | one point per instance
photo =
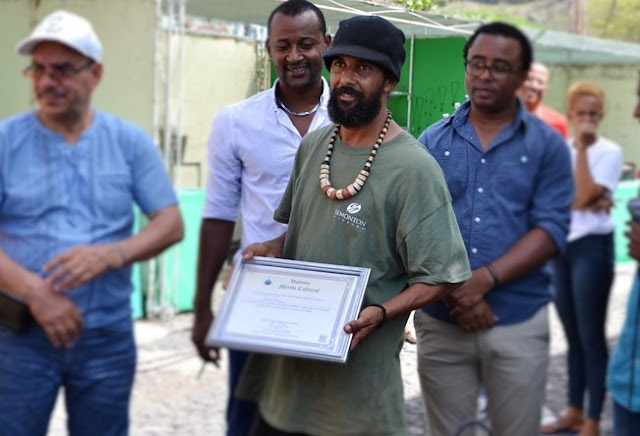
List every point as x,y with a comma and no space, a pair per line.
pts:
623,376
54,196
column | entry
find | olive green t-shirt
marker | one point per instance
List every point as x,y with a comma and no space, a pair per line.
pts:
402,226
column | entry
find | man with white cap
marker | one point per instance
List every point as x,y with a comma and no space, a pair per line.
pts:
69,176
362,192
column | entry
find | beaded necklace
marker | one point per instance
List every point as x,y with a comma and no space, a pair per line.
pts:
358,183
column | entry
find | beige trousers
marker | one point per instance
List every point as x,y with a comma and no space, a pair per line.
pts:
509,361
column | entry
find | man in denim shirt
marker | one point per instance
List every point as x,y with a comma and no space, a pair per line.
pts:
623,375
510,179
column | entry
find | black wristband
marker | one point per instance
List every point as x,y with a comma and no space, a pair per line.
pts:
384,313
494,274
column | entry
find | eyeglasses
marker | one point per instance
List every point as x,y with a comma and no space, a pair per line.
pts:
56,72
590,114
498,70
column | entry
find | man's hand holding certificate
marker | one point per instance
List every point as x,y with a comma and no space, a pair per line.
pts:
293,308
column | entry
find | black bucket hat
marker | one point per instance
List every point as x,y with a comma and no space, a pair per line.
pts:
371,38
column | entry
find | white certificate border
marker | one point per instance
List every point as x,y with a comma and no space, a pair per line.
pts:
335,350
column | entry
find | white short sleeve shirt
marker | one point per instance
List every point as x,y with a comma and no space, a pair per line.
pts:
605,162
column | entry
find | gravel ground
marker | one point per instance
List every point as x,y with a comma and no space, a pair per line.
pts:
171,398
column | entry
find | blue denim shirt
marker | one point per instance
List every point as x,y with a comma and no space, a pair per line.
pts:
54,197
523,181
623,375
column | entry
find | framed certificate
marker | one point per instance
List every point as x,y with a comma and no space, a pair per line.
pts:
290,308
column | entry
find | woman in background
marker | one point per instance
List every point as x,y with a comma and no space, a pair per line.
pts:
583,273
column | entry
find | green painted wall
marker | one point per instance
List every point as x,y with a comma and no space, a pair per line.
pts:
620,214
438,82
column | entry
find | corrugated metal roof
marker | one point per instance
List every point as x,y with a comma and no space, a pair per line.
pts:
550,46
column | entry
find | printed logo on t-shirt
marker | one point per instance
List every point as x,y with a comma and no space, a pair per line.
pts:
348,216
354,208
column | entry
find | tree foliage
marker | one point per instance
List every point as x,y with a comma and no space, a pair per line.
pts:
421,5
614,19
610,19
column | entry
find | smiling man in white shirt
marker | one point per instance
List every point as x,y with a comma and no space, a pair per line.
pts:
252,147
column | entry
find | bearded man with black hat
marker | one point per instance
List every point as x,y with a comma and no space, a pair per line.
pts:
362,192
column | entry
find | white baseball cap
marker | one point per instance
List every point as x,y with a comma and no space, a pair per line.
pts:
68,29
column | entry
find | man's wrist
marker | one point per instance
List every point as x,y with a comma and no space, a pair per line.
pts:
119,257
493,273
384,313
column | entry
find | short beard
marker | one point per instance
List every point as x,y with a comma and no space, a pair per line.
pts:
361,114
